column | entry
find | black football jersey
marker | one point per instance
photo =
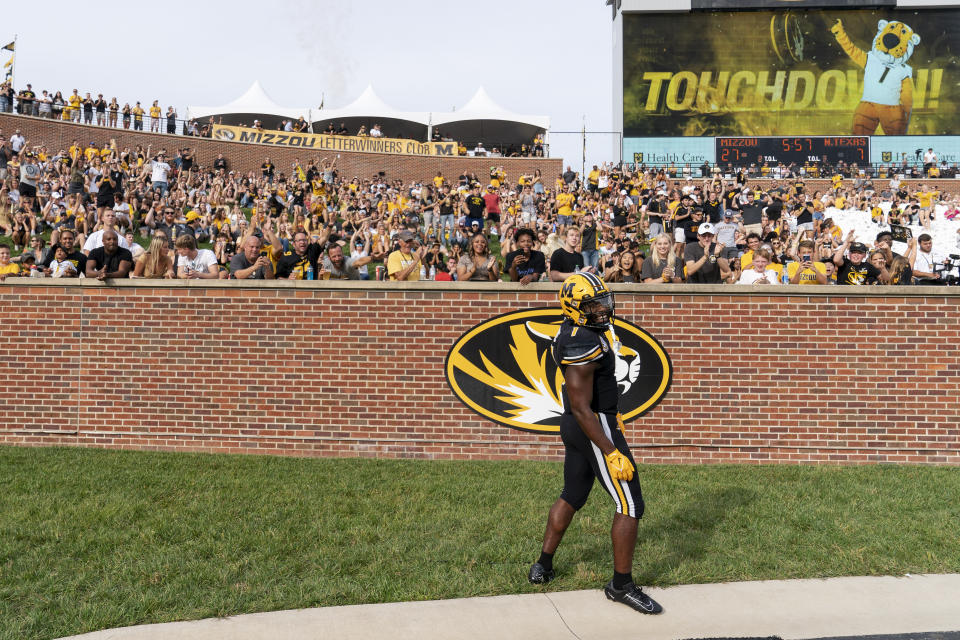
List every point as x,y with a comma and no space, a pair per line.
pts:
576,346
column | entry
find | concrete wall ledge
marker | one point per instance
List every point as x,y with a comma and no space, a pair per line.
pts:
497,287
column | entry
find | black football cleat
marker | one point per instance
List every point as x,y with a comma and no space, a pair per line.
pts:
632,596
539,574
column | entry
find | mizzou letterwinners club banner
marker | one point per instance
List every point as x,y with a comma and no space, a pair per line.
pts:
792,72
321,142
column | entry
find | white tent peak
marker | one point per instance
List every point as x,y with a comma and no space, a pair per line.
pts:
368,109
482,107
369,103
255,95
254,101
481,102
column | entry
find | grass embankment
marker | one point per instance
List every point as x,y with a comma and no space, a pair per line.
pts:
94,539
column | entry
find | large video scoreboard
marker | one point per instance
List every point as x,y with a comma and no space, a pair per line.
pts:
784,81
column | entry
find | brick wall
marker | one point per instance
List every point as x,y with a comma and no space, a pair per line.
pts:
244,157
845,376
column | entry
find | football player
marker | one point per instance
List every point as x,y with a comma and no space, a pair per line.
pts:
592,432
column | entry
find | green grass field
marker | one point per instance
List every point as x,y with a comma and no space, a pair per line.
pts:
94,539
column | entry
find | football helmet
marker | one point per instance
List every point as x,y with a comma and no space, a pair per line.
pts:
586,300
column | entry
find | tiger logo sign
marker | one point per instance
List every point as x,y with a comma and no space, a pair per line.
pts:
503,370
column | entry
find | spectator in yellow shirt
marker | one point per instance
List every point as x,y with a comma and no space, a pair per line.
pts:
926,199
137,112
72,110
155,112
565,202
806,270
404,263
7,268
593,179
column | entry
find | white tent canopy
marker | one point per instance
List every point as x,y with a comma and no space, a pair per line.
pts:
255,103
483,120
482,107
479,120
369,109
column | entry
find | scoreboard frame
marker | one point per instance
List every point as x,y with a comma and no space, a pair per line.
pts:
791,149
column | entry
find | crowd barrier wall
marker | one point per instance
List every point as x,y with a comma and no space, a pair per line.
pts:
808,375
244,156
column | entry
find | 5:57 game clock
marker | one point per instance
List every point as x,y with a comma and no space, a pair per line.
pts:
799,149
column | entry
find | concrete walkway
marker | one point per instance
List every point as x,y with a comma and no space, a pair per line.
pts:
786,608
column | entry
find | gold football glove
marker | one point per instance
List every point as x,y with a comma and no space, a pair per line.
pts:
619,466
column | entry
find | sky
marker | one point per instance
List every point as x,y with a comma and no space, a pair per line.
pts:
539,58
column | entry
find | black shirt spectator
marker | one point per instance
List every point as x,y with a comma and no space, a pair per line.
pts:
291,261
476,205
100,259
806,214
691,225
774,209
535,265
267,169
752,213
711,208
105,195
709,273
565,261
863,273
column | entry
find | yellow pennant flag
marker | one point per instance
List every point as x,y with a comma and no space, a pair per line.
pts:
10,46
8,62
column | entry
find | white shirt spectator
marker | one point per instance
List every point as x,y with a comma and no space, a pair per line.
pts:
95,240
752,275
122,209
94,174
17,141
356,254
375,131
63,269
160,171
923,262
201,262
929,157
288,126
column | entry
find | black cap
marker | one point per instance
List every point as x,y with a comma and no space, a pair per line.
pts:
858,247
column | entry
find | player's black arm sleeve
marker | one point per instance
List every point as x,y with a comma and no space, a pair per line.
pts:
579,385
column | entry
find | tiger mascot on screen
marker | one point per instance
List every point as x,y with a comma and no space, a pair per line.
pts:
887,98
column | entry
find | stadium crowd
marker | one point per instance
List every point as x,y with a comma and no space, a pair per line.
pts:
97,210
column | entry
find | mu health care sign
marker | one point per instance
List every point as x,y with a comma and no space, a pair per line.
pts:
503,369
322,142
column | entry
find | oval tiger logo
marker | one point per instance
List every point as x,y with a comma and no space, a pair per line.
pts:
503,370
